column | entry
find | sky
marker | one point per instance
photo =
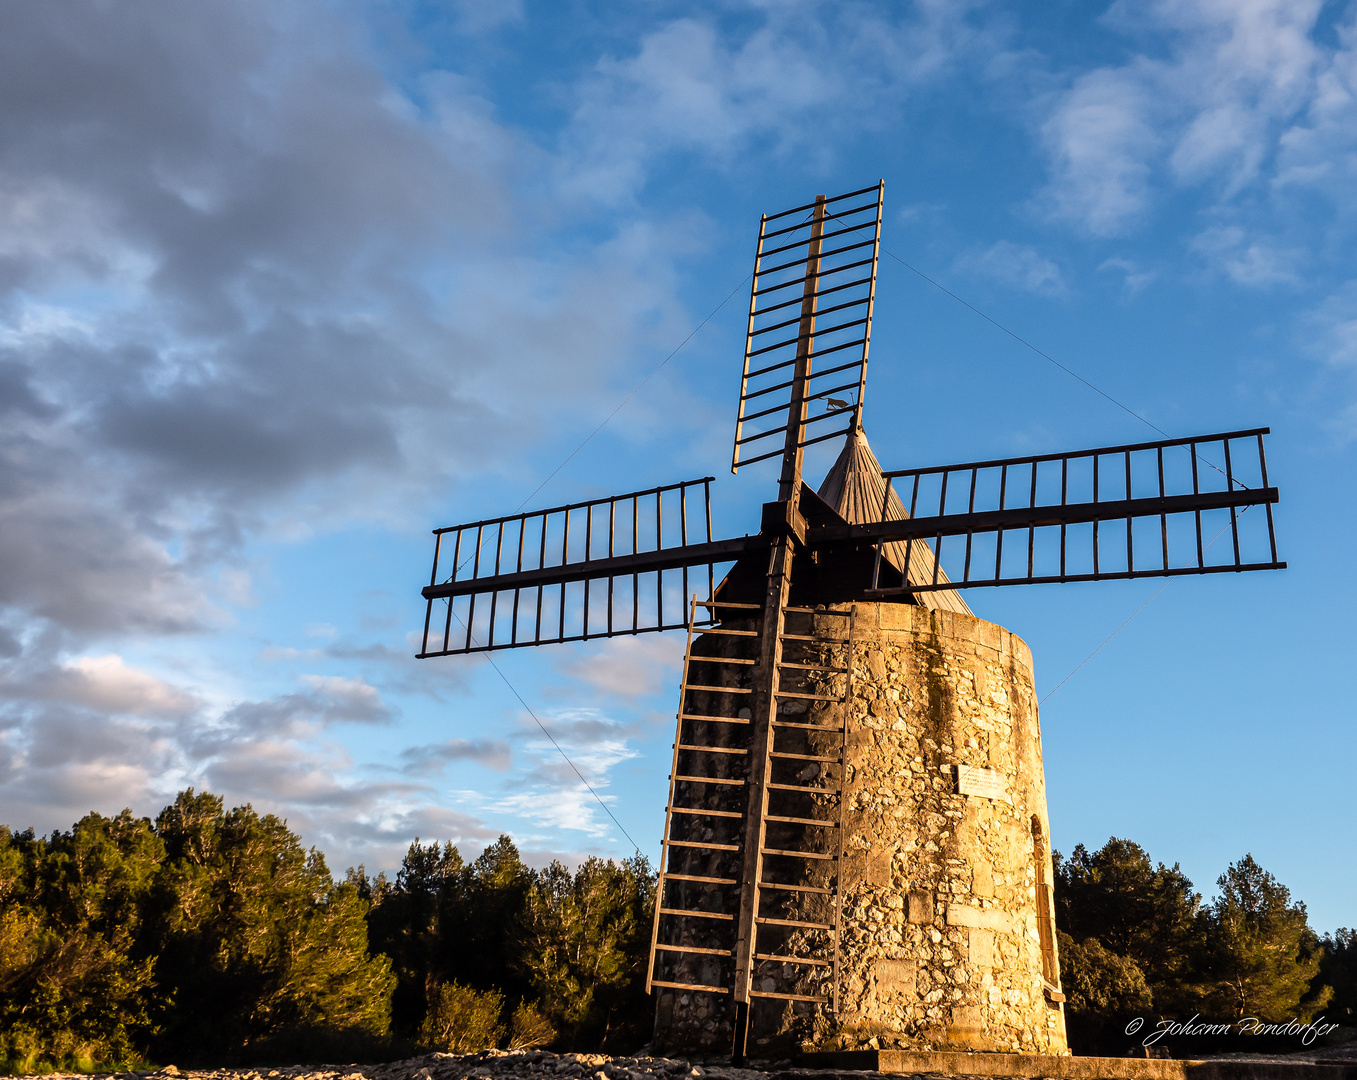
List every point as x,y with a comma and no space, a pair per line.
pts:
286,284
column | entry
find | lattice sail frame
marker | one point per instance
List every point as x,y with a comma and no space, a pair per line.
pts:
601,568
814,287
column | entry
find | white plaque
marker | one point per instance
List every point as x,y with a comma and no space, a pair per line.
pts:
974,780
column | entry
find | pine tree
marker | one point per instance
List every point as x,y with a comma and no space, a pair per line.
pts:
1263,955
75,975
258,945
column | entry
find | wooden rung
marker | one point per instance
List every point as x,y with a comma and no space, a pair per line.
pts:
696,914
713,749
702,846
813,667
799,854
808,697
732,633
818,611
802,757
803,821
706,880
715,689
723,603
721,660
780,997
703,813
809,727
799,787
692,986
708,780
794,888
714,719
792,922
692,949
788,959
812,637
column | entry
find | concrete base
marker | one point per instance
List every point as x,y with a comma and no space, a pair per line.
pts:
949,1063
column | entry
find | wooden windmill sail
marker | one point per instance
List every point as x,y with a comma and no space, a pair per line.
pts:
756,780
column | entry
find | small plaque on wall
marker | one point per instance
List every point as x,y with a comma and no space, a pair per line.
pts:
974,780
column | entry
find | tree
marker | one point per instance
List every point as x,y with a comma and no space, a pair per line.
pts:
1099,982
586,947
1147,914
257,943
404,924
1263,956
1338,969
75,977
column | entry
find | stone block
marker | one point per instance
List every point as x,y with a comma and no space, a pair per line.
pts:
895,977
896,616
967,1018
878,871
984,918
981,947
982,879
920,906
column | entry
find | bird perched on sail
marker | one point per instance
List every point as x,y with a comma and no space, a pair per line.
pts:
836,403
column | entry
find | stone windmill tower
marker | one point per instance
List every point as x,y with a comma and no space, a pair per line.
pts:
855,847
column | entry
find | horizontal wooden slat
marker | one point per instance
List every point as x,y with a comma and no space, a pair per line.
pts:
791,959
683,912
799,854
708,780
699,812
792,922
691,986
692,949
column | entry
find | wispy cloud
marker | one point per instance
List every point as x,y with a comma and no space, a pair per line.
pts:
1018,266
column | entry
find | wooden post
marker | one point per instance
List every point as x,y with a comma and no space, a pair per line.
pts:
764,703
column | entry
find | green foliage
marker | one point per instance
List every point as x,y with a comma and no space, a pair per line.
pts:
209,934
1098,981
460,1020
569,949
1134,938
586,944
254,937
75,978
1338,970
528,1029
1262,955
1148,914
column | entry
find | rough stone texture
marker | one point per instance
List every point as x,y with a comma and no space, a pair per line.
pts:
940,945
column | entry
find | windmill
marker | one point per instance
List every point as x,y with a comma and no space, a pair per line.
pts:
755,893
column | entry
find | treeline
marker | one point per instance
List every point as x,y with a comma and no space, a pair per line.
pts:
213,936
1136,940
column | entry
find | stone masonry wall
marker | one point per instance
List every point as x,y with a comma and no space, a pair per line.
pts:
940,945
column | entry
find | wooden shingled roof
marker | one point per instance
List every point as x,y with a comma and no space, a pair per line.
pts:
854,488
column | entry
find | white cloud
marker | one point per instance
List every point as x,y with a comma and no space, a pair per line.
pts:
1210,108
1135,277
1247,262
1018,266
1102,138
1333,328
628,667
694,86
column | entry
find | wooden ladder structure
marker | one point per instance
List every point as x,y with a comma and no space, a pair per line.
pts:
792,782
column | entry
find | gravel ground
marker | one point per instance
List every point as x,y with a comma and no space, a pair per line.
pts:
543,1065
500,1065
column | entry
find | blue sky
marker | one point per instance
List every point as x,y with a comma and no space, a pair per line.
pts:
285,285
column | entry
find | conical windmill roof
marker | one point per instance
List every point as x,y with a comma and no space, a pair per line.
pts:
854,487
